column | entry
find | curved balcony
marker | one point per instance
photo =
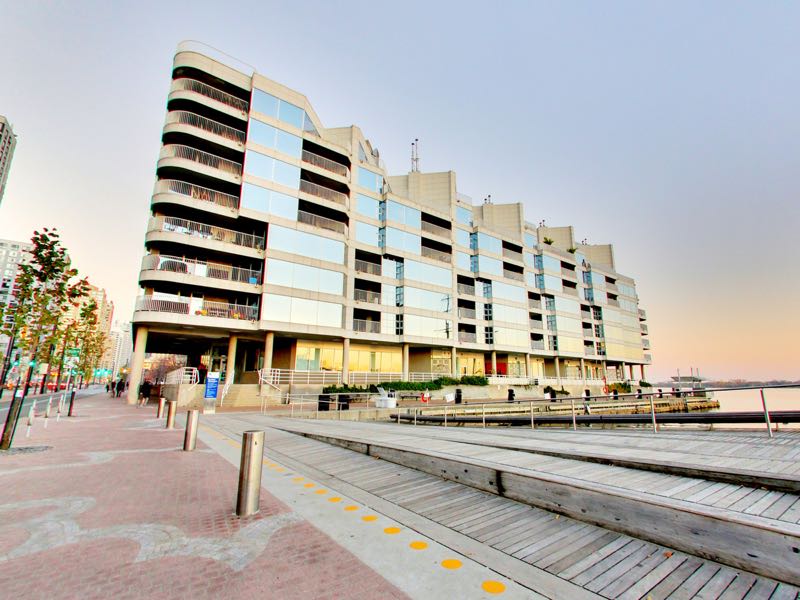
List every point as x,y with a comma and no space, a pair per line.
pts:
172,268
321,191
183,231
321,222
186,157
191,89
189,122
183,310
190,194
325,163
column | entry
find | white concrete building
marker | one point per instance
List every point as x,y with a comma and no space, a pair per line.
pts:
8,142
277,244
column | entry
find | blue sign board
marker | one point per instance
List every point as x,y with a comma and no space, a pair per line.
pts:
212,384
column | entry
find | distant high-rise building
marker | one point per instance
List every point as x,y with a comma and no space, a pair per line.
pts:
120,348
13,254
8,142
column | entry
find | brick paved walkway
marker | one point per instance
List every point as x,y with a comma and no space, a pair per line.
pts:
115,509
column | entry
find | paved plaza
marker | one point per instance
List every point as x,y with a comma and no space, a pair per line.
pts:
110,506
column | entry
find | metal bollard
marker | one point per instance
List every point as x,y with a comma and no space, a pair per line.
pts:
653,414
171,410
249,495
47,411
71,404
445,415
574,424
766,413
483,415
160,411
416,410
532,425
190,437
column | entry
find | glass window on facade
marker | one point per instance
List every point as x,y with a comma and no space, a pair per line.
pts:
400,213
402,240
370,180
549,303
485,264
463,261
428,273
293,275
318,356
626,290
530,239
504,336
427,327
486,242
509,314
530,260
464,215
588,294
279,109
550,263
266,167
392,268
462,237
552,283
567,305
277,139
301,311
305,244
268,201
509,292
567,325
367,234
376,360
427,300
367,206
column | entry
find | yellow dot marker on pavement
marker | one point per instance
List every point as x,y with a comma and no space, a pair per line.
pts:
493,587
350,508
298,479
321,492
280,469
418,545
391,530
309,485
451,563
334,499
369,518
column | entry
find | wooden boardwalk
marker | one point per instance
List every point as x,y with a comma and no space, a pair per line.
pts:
555,555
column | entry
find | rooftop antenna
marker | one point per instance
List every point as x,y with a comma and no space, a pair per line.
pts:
415,156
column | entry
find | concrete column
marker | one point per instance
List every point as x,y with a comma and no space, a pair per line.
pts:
494,362
137,363
345,361
623,371
268,345
605,370
230,363
528,373
453,362
405,362
630,367
583,371
558,372
641,371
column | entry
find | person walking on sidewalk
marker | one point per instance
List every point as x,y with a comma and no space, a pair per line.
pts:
144,392
120,387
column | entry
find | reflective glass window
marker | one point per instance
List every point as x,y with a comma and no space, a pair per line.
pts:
427,327
268,201
265,103
509,314
530,239
301,311
509,292
484,264
428,273
289,113
567,305
530,260
463,261
400,213
293,275
552,283
504,336
464,215
626,289
272,137
402,240
568,325
279,109
427,300
367,206
550,263
462,237
271,169
305,244
366,233
370,180
489,243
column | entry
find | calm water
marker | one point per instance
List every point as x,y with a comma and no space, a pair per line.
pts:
740,400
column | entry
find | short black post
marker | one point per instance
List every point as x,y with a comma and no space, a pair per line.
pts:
71,403
511,395
11,420
459,396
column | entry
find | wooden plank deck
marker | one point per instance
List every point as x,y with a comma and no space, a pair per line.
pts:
606,563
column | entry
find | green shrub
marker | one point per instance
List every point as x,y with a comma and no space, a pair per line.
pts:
551,390
407,386
645,384
474,380
621,387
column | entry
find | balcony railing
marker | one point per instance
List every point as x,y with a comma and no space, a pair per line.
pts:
642,315
197,306
321,222
512,254
435,229
323,192
183,376
648,358
612,302
466,313
325,163
569,272
585,315
570,290
644,328
436,254
363,266
534,304
367,296
197,192
208,232
463,288
513,275
646,344
467,337
611,287
192,85
533,324
294,376
186,266
203,158
191,119
537,344
589,350
366,326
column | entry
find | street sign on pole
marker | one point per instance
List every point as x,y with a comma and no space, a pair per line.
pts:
210,396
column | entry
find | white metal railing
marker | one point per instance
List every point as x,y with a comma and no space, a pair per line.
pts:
372,377
467,336
197,192
512,254
366,326
325,163
188,266
204,158
367,296
363,266
463,288
466,313
321,222
197,306
320,191
184,117
513,275
569,272
277,377
535,324
534,304
209,232
183,376
642,315
586,315
611,302
571,291
436,254
611,287
436,229
423,377
537,344
510,380
198,87
225,389
589,350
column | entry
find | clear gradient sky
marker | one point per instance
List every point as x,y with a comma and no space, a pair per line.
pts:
671,129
